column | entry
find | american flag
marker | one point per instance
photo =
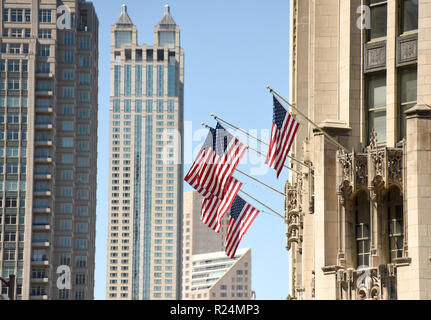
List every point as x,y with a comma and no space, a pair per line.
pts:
284,129
214,209
215,163
242,216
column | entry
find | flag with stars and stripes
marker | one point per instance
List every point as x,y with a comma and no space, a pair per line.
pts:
284,129
214,209
216,163
242,216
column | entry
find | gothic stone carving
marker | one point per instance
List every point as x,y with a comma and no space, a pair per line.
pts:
367,284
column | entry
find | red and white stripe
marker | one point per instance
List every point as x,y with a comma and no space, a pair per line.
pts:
281,143
214,209
237,228
210,173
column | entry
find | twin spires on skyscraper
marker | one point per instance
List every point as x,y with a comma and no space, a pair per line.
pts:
125,20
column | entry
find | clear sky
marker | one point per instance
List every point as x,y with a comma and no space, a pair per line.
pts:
233,50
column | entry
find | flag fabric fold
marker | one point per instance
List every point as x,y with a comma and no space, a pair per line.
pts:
216,163
284,130
214,209
242,216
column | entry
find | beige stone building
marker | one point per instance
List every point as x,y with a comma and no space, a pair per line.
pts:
359,223
48,139
197,238
146,170
208,273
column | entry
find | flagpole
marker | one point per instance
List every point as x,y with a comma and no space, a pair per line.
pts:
258,152
262,183
280,215
309,120
257,139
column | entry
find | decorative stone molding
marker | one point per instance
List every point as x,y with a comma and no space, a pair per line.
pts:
294,214
374,56
407,49
367,284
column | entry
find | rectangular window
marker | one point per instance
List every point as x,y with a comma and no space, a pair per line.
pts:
128,80
149,81
42,67
127,106
69,56
138,106
123,37
160,81
84,61
171,74
138,81
43,50
379,19
84,96
69,38
69,92
409,15
149,107
160,108
45,33
84,43
13,65
117,80
44,16
84,79
167,38
408,95
376,106
69,74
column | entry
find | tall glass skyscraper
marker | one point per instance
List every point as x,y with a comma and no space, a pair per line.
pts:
146,170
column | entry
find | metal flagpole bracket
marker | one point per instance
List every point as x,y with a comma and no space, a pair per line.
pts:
257,139
335,142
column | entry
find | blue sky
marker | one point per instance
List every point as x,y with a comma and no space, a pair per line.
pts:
233,49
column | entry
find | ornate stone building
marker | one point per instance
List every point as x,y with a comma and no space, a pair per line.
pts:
359,219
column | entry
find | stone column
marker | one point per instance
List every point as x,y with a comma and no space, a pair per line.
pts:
414,281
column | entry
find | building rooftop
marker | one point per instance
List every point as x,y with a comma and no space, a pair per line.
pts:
167,19
124,19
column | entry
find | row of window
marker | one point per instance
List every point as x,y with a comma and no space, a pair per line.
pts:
14,65
395,227
160,87
17,15
13,83
376,101
127,106
408,21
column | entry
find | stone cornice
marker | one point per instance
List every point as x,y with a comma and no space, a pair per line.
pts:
419,111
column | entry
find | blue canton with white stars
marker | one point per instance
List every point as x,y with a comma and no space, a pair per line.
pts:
279,114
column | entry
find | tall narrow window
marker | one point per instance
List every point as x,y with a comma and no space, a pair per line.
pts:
362,216
171,74
408,95
117,80
409,15
379,19
160,81
138,81
376,103
395,223
149,80
128,80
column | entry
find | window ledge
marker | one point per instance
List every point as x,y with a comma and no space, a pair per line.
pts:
402,262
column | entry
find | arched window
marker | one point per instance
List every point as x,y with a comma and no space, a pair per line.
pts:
362,235
395,224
